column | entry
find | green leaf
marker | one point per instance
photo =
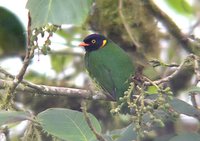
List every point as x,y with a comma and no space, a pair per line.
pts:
124,134
180,6
184,108
12,116
186,137
67,124
58,11
106,137
164,137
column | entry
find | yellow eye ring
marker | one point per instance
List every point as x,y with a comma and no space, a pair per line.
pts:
93,41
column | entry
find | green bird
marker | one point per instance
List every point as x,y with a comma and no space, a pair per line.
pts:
108,65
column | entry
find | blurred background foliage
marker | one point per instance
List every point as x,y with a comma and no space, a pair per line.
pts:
12,34
64,64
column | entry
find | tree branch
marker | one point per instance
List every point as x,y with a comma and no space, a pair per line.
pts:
29,55
28,87
186,43
31,88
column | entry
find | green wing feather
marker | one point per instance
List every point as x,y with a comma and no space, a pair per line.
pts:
111,67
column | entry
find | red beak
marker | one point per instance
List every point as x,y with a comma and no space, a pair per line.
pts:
82,44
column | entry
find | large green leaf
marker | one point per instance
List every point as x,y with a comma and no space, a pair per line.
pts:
58,11
184,108
67,124
186,137
7,117
180,6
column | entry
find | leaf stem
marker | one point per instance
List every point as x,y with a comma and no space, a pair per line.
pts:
87,118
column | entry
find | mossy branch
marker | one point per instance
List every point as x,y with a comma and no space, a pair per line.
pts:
31,88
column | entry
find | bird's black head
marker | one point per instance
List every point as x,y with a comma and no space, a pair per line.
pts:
93,42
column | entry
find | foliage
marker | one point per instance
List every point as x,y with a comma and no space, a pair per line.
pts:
52,11
12,36
60,121
180,6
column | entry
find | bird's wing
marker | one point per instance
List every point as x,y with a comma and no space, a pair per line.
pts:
109,83
102,76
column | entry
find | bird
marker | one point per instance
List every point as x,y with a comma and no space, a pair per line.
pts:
108,65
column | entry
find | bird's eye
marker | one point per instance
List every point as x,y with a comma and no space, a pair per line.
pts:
93,41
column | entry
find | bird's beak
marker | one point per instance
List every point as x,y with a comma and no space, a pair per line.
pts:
82,44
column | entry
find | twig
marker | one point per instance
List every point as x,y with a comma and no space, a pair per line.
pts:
156,63
87,118
29,54
168,78
152,83
120,7
29,29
